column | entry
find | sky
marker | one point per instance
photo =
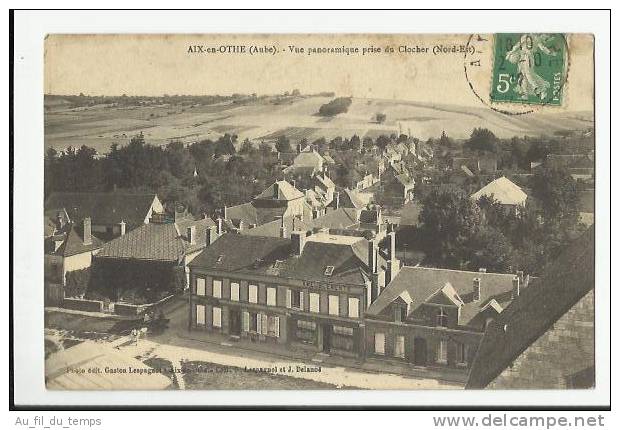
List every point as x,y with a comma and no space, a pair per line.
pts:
161,64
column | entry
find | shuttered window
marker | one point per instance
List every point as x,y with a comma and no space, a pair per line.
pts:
399,347
354,307
271,296
314,302
217,288
200,315
245,321
442,351
380,343
200,286
334,305
234,291
217,317
253,294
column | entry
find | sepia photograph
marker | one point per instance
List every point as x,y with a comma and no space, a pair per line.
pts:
319,211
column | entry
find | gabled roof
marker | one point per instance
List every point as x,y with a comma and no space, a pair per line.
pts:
338,218
423,282
563,283
103,208
74,242
308,158
285,191
51,218
503,190
157,241
448,292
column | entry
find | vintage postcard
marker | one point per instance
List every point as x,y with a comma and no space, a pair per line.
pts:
319,211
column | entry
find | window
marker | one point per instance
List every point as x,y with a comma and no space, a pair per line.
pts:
380,343
399,347
314,302
200,286
217,317
329,270
234,291
403,313
294,299
442,318
254,318
442,351
217,288
354,307
245,321
334,304
253,294
271,296
461,353
200,315
274,326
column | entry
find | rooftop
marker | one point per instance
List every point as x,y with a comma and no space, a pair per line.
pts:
103,208
563,283
503,190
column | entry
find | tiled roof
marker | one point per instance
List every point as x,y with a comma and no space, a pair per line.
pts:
245,212
422,282
503,190
243,253
563,283
157,241
257,255
103,208
338,218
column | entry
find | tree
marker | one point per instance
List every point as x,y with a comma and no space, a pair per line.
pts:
449,220
283,144
445,141
489,248
556,191
482,139
380,118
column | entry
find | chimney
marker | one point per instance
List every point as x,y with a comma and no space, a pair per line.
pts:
276,190
241,225
482,270
191,234
210,235
219,230
372,256
282,229
298,238
520,275
225,212
477,291
391,245
337,200
122,225
88,238
516,287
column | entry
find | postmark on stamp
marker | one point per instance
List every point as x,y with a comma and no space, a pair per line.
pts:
528,68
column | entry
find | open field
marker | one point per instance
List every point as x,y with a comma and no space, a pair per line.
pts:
265,119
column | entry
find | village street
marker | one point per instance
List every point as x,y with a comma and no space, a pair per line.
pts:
176,345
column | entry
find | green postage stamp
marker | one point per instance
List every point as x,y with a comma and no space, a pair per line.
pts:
529,68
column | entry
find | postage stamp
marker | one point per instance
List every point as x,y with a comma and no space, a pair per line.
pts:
529,68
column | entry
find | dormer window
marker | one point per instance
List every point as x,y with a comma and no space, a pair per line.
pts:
329,270
442,318
220,258
277,264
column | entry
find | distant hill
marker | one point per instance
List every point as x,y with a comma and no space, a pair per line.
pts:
266,118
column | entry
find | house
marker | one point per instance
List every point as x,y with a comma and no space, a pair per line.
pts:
69,249
545,338
72,369
396,187
309,157
504,191
435,318
110,213
281,199
152,259
309,291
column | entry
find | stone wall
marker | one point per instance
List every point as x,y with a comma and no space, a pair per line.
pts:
558,357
